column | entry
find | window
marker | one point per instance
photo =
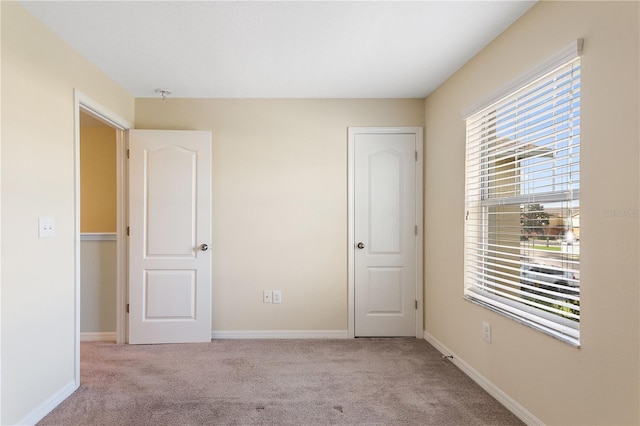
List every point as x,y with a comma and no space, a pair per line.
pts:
522,228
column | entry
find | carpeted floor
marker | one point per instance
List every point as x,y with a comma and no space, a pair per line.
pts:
275,382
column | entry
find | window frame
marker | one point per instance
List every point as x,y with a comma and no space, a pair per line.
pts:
554,324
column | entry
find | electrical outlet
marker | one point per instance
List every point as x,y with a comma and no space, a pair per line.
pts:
277,296
46,227
267,296
486,332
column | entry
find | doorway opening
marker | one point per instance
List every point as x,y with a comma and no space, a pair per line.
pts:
98,233
89,111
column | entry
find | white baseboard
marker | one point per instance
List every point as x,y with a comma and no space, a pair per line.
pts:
281,334
510,403
106,336
47,406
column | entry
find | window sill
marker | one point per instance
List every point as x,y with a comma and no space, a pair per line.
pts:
565,330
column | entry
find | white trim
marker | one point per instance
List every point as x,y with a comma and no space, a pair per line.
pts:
572,51
493,390
420,237
280,334
122,250
419,195
102,113
98,336
47,406
351,242
86,104
76,232
99,236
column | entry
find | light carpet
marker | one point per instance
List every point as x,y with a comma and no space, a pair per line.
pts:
275,382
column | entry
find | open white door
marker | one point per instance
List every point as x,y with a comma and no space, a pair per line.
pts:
385,244
170,231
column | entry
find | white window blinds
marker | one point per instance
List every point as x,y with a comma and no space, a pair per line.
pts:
522,233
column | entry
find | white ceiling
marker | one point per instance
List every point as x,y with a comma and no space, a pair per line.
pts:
264,49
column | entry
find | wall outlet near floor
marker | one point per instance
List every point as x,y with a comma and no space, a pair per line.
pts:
486,332
277,296
267,296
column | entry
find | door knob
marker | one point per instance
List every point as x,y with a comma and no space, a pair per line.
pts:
204,247
360,245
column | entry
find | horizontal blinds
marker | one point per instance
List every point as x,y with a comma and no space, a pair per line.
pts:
522,202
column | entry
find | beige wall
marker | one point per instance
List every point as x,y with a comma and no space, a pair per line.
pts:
39,74
280,202
98,282
557,383
98,286
97,179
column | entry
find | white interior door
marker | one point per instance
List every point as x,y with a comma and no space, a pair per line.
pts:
170,231
385,231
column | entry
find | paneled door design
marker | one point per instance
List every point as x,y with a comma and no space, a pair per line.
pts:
170,232
385,230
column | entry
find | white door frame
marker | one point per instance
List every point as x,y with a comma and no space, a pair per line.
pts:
352,131
86,104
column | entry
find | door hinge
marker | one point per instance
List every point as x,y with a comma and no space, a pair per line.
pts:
416,306
128,231
416,155
416,229
467,216
127,308
128,153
